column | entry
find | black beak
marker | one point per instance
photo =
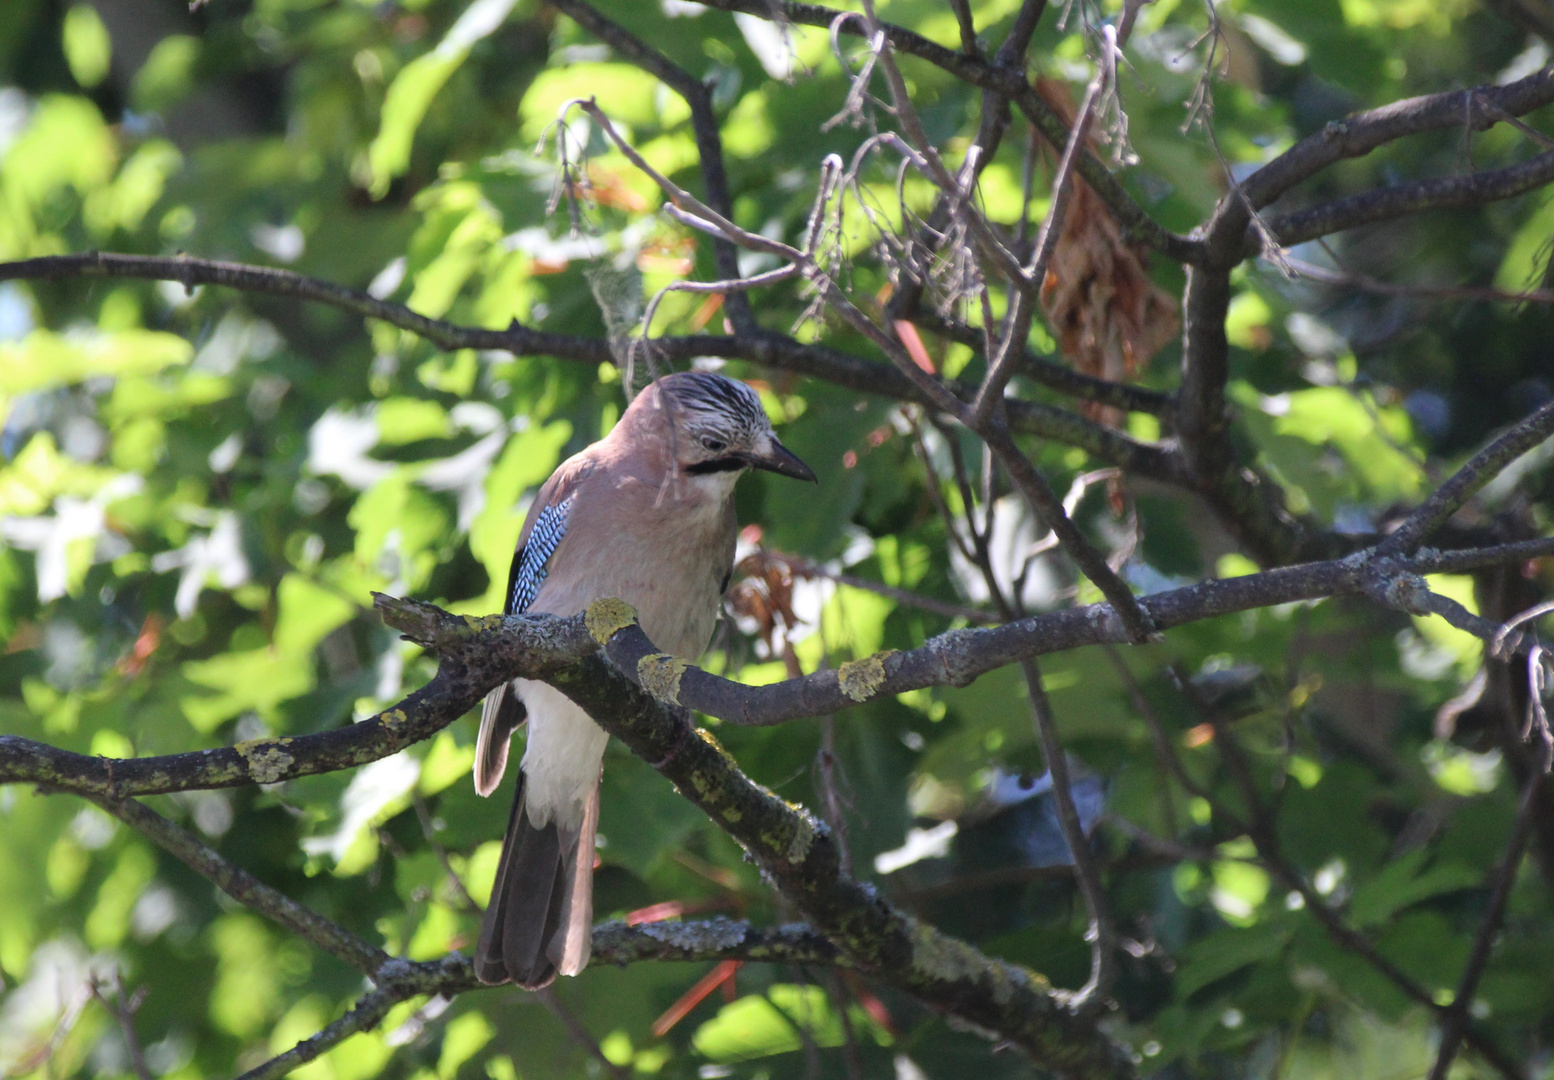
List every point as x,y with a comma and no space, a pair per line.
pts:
779,459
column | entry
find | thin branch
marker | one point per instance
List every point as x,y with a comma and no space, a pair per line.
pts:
1367,284
1454,1019
1138,624
704,127
1009,81
1357,135
1469,480
992,249
578,1033
247,889
1056,376
760,347
365,1015
1384,204
1102,934
189,271
1012,348
123,1008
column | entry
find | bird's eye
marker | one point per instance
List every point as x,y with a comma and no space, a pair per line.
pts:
712,445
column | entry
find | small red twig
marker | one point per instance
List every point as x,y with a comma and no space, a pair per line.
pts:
719,976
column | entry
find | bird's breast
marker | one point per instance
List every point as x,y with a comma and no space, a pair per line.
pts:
666,558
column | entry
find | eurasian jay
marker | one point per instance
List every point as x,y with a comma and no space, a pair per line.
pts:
645,514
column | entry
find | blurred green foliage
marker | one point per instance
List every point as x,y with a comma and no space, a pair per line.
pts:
200,489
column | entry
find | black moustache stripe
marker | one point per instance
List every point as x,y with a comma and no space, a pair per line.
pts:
716,465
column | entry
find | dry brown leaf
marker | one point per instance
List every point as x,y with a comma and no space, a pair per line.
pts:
1109,317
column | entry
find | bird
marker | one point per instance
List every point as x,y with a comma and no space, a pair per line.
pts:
646,514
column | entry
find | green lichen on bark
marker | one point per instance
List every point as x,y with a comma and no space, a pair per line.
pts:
606,617
267,759
861,679
660,674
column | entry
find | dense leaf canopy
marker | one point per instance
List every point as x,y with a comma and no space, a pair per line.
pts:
385,265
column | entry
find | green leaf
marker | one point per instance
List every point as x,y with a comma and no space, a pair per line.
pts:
1402,883
43,358
627,94
417,84
758,1026
1210,959
88,50
258,679
168,73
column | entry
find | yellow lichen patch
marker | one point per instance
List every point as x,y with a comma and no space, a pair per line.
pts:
266,759
394,719
945,958
803,836
478,623
659,674
862,679
712,740
1009,979
732,816
608,616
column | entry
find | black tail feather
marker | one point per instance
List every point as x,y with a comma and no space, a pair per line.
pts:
532,901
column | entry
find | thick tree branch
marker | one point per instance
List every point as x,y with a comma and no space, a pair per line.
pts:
794,848
477,654
801,857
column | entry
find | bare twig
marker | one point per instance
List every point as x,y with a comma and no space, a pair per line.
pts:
1454,1018
123,1007
1384,204
1367,284
247,889
1137,622
1468,480
1102,934
704,126
1012,347
367,1014
579,1034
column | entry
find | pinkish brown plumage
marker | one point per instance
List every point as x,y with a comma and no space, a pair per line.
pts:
646,514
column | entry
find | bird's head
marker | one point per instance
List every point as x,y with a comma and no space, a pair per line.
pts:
719,426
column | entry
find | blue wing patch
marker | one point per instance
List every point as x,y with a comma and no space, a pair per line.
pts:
530,572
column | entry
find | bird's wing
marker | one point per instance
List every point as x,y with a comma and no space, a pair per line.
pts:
503,712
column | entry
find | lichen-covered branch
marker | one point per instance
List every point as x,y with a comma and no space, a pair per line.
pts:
800,856
477,654
531,643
